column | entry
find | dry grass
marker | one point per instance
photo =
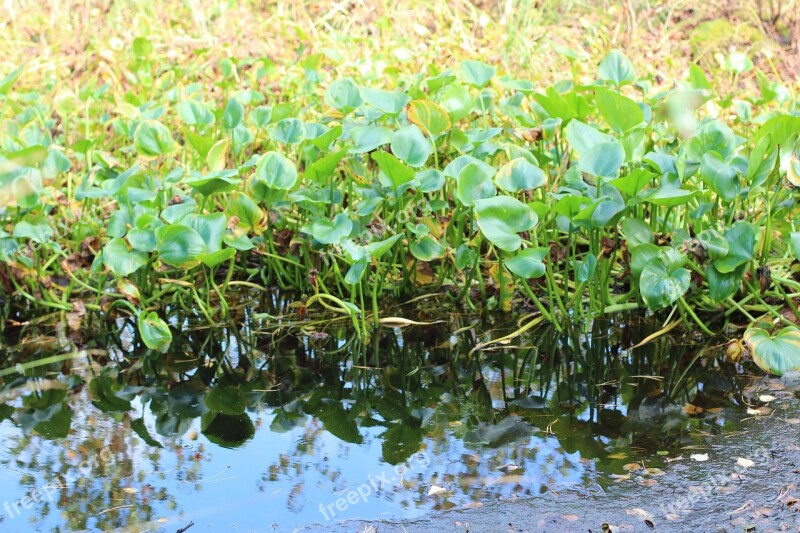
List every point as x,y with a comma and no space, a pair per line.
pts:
73,41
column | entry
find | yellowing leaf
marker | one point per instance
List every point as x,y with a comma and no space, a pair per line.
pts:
431,118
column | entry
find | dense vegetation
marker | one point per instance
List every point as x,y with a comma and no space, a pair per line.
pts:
576,199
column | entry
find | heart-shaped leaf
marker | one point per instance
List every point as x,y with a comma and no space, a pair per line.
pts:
333,231
777,355
476,73
519,175
616,68
741,239
343,95
120,260
621,113
154,331
501,219
411,145
659,287
276,171
180,246
603,160
474,183
432,118
398,172
528,263
153,139
721,177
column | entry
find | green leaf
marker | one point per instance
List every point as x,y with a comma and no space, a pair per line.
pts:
642,255
210,227
528,263
432,118
621,113
715,244
616,68
215,182
603,160
337,422
276,171
636,232
474,182
120,260
721,177
581,137
216,155
411,145
519,175
214,259
288,131
670,193
586,268
343,95
634,182
369,138
761,162
777,355
794,244
154,331
8,81
457,100
333,231
234,112
34,228
659,287
194,113
723,285
153,139
398,172
180,246
501,218
713,136
387,101
741,239
476,73
426,249
379,248
356,271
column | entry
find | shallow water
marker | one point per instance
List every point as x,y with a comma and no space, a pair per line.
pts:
268,427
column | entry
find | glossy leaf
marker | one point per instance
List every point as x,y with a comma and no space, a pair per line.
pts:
519,175
528,263
432,118
154,331
474,183
502,218
411,145
777,355
180,246
659,287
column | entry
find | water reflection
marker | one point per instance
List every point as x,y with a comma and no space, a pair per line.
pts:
285,424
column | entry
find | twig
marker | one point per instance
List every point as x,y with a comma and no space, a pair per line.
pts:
183,529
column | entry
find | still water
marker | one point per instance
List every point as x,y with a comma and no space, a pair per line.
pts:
276,424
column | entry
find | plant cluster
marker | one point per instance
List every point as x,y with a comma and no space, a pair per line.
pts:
581,199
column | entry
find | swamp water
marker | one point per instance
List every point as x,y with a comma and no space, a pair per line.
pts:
279,424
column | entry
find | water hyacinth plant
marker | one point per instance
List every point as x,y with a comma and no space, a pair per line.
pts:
577,199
